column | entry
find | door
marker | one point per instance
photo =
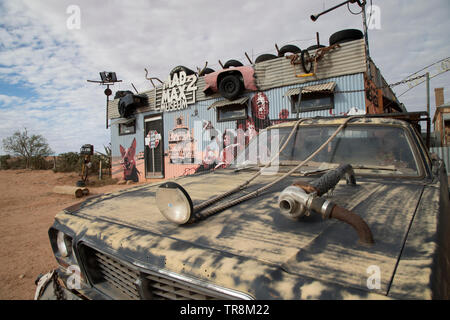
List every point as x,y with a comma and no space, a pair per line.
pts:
154,147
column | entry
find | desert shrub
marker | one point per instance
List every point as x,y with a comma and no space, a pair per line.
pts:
40,163
17,163
95,159
36,163
68,162
4,162
72,162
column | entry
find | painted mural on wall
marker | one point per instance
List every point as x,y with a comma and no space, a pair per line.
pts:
260,111
188,152
181,143
128,162
192,145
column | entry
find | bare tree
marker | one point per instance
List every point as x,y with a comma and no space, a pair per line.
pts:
22,145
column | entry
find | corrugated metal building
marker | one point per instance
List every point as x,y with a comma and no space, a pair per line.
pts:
156,142
444,154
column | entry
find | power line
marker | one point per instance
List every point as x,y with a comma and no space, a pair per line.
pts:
447,60
444,67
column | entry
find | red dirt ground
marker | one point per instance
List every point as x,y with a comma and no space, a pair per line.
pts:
27,209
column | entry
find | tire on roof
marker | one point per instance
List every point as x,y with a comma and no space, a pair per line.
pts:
288,48
265,57
232,63
314,47
345,36
177,69
206,71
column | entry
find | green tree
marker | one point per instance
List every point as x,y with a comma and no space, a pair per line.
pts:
28,147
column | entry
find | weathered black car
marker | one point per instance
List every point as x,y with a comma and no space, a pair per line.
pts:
382,232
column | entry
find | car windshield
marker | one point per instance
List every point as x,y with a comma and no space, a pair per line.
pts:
369,149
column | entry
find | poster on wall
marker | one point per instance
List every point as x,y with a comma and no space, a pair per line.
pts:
181,143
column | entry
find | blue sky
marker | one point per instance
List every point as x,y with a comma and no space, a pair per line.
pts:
44,65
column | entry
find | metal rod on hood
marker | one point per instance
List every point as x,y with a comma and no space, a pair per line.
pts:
242,186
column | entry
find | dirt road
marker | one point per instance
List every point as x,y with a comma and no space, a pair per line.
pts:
27,209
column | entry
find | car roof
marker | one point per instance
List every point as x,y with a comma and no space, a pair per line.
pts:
341,120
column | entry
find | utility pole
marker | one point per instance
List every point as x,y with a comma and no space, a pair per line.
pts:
366,37
428,93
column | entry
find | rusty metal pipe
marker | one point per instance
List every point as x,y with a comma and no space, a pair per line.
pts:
361,227
297,201
315,17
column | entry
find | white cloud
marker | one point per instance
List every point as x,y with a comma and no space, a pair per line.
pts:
9,100
38,52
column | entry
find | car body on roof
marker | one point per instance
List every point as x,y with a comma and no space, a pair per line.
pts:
126,249
245,73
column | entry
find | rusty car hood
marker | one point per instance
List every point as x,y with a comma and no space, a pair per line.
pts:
323,250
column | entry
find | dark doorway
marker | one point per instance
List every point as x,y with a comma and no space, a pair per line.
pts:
154,147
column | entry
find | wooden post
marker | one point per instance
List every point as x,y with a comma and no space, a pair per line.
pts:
100,171
74,191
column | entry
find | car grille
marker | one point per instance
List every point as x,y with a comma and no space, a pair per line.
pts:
118,280
118,276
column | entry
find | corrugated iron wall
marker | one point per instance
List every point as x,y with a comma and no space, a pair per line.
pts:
342,101
444,154
347,60
277,102
199,112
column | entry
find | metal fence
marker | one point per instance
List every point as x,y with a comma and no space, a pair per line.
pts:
444,154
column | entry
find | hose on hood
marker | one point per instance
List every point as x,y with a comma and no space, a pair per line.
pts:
329,180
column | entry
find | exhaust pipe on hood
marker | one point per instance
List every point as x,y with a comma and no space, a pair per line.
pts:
295,203
300,200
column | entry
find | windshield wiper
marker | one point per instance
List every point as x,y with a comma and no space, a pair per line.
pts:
308,173
374,168
246,167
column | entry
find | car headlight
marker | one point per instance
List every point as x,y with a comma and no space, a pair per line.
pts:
64,244
174,202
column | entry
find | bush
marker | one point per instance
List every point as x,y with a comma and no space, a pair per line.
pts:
40,163
4,162
68,162
17,163
37,162
72,162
